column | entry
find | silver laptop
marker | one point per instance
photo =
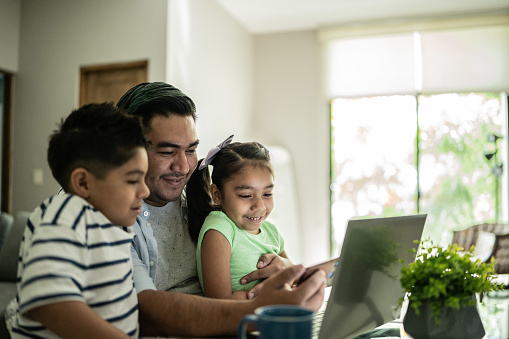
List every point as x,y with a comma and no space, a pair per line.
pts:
365,286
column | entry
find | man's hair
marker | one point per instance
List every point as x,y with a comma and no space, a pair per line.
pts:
151,99
97,137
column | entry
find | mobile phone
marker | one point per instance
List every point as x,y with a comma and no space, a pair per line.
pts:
328,266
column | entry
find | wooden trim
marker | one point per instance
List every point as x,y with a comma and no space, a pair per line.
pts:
6,143
84,70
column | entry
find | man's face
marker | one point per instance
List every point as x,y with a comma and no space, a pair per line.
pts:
172,158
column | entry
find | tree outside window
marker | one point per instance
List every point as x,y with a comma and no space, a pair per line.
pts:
405,154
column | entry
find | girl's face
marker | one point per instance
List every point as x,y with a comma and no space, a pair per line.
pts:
247,197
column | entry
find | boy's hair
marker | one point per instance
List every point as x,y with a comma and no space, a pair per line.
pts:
228,162
97,137
151,99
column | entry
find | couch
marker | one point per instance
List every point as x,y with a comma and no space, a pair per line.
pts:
11,232
493,237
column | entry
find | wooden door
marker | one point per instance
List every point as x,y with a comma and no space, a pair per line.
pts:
107,83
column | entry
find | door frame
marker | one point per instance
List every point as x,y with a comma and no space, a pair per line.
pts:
6,176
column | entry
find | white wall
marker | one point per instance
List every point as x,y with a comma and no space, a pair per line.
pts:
10,18
289,111
263,88
57,38
211,60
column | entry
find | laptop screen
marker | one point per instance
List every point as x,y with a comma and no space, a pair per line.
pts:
366,287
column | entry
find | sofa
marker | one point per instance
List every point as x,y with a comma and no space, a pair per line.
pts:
11,232
492,238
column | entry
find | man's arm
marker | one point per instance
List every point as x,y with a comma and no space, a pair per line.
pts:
177,314
76,320
142,279
143,255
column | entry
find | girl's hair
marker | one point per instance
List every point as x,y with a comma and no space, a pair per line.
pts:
228,162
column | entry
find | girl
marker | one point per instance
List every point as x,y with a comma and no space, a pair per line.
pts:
227,216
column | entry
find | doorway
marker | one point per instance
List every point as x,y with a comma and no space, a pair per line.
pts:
6,97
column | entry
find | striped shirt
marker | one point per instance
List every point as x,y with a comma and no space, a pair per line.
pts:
71,252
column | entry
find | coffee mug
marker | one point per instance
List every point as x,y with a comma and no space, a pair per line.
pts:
279,321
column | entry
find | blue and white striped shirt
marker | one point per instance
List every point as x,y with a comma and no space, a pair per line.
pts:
71,252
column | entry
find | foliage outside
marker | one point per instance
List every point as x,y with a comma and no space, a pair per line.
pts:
433,161
446,277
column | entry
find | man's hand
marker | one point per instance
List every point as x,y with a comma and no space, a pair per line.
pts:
170,314
268,264
279,290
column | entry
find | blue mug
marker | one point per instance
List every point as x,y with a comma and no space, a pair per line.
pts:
279,321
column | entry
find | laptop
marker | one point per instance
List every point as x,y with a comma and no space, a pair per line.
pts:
365,284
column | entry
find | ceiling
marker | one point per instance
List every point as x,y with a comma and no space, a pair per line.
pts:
270,16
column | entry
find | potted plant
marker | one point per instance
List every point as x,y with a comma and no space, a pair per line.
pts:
441,286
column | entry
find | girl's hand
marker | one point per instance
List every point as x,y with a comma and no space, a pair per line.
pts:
268,265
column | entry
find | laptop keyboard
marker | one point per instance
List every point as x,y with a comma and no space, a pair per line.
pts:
317,321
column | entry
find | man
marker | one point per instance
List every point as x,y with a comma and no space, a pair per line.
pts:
163,253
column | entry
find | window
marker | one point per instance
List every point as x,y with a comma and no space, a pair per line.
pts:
418,122
403,154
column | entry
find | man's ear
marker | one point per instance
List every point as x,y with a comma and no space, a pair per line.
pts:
79,182
215,193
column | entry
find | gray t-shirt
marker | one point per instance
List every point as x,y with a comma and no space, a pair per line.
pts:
176,265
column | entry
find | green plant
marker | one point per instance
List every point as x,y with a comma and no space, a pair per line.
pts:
446,276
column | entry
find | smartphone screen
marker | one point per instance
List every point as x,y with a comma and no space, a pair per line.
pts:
328,266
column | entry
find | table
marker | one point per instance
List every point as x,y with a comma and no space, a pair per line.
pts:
493,310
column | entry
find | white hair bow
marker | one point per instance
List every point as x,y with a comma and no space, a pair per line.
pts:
211,154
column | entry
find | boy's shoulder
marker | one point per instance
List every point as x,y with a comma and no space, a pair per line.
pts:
72,216
63,209
64,202
58,213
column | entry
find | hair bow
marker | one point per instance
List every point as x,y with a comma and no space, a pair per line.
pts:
212,153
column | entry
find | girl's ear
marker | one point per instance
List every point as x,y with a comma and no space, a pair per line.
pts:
80,183
215,193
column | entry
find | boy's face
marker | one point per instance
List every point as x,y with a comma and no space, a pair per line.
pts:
172,157
247,198
119,195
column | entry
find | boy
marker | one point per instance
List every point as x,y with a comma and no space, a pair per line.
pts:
75,270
